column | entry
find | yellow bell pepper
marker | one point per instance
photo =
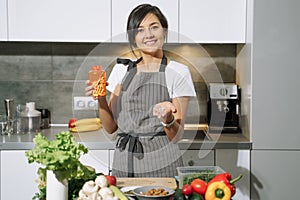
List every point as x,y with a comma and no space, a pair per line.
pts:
217,191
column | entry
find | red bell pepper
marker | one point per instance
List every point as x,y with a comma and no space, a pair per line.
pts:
226,178
71,122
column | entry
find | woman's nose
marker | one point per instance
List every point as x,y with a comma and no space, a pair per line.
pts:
148,32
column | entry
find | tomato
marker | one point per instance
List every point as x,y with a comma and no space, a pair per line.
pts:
111,180
199,186
187,189
71,125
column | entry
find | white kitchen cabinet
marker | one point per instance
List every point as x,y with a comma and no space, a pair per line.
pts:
16,172
0,176
212,21
276,52
121,10
236,162
17,176
56,21
274,173
98,159
3,20
275,158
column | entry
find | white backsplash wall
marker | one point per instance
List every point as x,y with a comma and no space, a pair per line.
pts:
50,74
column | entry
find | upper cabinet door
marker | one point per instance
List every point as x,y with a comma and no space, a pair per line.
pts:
121,10
56,20
212,21
3,20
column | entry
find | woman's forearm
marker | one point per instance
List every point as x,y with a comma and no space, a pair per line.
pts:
106,116
175,131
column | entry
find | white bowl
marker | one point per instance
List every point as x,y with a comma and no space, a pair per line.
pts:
128,191
139,193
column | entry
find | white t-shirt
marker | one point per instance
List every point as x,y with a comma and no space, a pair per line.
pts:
178,78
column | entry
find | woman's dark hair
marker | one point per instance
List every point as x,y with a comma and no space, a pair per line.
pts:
137,15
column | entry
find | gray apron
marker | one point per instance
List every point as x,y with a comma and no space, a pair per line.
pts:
143,149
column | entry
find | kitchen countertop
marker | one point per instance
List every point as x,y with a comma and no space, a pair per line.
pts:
99,140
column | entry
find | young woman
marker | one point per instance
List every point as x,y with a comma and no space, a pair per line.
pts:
148,102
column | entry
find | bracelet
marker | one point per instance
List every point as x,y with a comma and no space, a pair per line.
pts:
169,124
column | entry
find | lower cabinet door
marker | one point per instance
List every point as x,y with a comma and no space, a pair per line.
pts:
98,159
17,176
275,173
236,162
198,157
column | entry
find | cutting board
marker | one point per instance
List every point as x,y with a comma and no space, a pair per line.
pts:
167,182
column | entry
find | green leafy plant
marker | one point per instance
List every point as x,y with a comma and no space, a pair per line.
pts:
60,156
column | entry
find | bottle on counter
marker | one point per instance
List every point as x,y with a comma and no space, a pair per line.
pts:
98,78
30,119
45,118
9,109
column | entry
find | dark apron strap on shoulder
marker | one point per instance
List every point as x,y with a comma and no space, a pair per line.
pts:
131,70
163,64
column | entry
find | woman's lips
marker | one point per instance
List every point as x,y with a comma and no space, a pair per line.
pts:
150,43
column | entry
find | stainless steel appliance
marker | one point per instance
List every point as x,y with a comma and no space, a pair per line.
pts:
223,108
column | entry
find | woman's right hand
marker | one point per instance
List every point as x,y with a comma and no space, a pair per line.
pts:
89,88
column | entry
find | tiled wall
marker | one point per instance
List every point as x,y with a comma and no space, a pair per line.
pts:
51,74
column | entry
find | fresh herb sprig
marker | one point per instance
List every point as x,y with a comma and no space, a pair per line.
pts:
206,175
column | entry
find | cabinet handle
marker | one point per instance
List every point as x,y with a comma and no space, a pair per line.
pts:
191,163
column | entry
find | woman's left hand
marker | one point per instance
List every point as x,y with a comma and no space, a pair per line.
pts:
164,111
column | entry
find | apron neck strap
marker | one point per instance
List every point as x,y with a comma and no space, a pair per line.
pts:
132,64
132,69
163,64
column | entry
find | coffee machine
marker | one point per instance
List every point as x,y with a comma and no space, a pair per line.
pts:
223,108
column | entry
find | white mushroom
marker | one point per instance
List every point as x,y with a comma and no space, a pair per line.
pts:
82,195
90,187
99,197
95,196
106,193
84,198
101,181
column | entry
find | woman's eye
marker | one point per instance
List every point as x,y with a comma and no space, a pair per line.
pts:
154,27
140,30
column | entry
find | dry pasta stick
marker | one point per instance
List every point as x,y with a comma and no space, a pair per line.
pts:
100,86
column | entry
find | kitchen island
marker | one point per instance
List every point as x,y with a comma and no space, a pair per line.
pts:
229,151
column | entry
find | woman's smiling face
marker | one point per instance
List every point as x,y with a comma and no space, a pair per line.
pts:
150,35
